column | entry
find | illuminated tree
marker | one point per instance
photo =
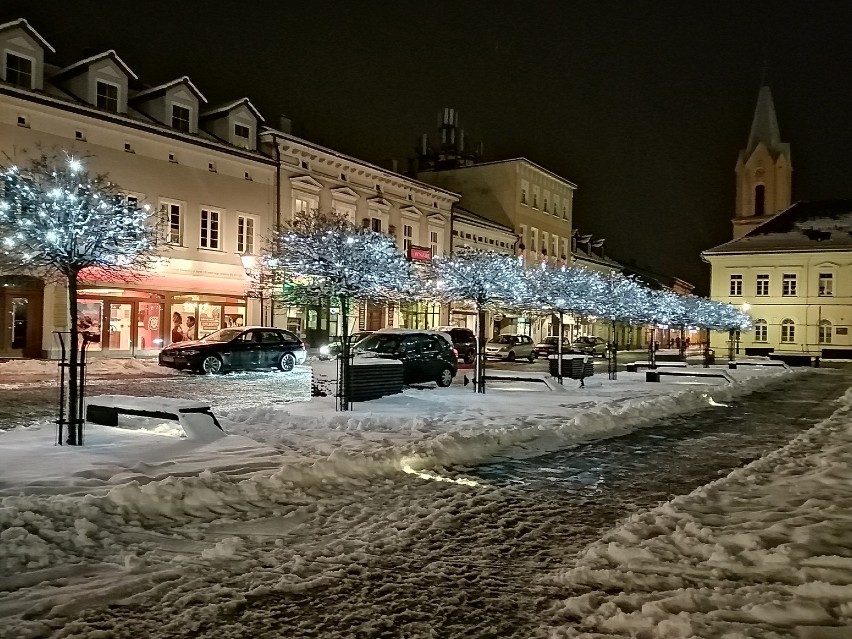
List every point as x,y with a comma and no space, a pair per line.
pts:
323,256
58,220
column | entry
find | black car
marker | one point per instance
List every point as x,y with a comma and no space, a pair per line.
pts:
464,342
333,349
426,356
237,348
550,346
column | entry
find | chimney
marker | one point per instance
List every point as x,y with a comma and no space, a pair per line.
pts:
285,124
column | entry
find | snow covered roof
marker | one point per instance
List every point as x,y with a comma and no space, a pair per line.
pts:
225,108
79,67
26,26
156,91
821,225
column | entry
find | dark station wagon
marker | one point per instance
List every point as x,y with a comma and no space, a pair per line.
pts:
253,347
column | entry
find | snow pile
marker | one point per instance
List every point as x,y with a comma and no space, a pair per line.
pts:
764,552
24,368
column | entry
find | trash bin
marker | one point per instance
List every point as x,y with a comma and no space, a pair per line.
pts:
710,356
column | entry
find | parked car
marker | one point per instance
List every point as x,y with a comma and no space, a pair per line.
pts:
253,347
426,356
464,342
333,349
510,347
590,345
550,346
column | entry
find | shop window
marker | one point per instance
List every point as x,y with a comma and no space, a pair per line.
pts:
90,315
235,316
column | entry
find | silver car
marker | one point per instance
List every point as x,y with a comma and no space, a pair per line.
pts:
510,348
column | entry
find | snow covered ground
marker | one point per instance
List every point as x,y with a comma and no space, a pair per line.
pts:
296,504
29,370
765,552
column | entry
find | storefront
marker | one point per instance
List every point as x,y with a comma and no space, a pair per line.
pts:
423,315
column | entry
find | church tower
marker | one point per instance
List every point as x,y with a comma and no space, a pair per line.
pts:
764,172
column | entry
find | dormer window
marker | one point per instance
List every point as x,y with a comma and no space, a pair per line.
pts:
19,70
106,96
242,133
181,118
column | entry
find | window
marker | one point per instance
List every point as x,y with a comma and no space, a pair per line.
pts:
535,197
534,240
19,70
173,221
788,287
376,224
302,205
181,118
22,121
407,235
106,96
79,135
566,209
759,199
245,235
525,192
825,332
211,166
242,133
209,229
435,243
788,331
545,208
545,241
555,253
826,285
736,288
556,204
762,289
761,334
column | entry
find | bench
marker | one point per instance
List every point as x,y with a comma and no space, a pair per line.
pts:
521,376
654,375
746,362
196,418
634,367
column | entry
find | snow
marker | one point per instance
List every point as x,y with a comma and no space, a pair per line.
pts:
297,498
763,552
26,369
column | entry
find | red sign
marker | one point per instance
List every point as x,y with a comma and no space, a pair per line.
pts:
417,254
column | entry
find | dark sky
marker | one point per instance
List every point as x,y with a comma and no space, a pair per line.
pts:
644,105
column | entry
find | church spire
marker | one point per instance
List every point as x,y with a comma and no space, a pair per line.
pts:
764,125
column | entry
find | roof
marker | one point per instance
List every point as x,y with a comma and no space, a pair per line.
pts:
26,26
159,90
493,162
821,225
79,67
226,108
764,125
462,212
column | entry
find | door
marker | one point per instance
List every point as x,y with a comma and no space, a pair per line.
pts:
410,354
119,328
20,331
271,348
246,350
375,317
432,361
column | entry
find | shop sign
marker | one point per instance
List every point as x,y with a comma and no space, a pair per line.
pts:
419,254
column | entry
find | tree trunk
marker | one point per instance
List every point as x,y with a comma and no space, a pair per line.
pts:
75,421
345,368
559,346
479,372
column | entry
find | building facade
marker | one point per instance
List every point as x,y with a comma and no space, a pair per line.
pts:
787,266
220,181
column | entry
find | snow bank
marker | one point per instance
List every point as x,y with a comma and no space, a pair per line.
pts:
23,368
763,552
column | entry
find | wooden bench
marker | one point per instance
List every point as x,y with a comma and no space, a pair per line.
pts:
777,363
633,367
196,418
654,375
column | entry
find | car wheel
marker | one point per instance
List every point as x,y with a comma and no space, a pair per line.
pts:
532,356
446,378
511,356
211,365
287,362
469,357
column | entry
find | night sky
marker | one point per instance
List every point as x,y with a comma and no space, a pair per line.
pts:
644,105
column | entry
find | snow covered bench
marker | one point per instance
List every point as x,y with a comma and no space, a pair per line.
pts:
523,376
196,418
634,367
758,362
654,375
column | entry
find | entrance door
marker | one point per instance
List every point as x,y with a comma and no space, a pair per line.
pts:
375,317
119,328
20,331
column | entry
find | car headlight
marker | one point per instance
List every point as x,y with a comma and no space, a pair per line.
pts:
324,350
189,352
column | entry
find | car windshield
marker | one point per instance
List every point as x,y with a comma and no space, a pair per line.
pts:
587,340
223,335
502,339
384,344
550,340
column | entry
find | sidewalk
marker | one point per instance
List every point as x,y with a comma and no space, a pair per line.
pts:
29,371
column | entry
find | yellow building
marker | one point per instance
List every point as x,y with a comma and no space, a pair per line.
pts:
787,265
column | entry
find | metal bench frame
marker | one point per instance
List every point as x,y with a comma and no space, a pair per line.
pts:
654,375
107,415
